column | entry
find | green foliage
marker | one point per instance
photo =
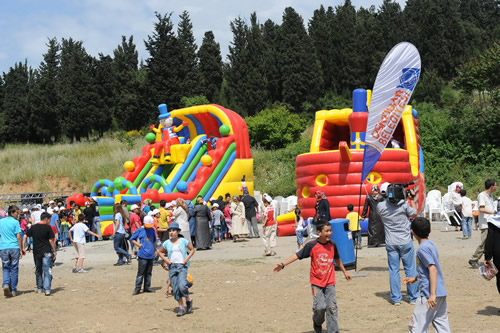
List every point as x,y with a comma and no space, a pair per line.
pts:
210,67
332,101
189,83
274,170
274,128
195,100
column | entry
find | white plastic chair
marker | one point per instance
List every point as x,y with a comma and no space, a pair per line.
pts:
433,203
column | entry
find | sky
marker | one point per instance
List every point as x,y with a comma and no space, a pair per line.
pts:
26,25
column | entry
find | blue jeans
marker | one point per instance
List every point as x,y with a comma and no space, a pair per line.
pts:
396,253
119,244
10,268
43,271
217,234
467,226
144,273
178,279
300,238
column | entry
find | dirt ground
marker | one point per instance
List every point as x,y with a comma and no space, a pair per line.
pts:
235,290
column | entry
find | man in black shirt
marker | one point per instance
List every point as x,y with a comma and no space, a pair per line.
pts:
251,207
44,252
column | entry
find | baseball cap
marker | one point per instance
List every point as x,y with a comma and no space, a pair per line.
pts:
383,187
155,211
51,202
173,203
134,206
215,205
55,209
148,222
25,210
87,203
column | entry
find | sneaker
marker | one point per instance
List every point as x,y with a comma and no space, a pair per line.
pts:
82,271
118,264
6,291
136,292
396,303
181,312
47,293
465,237
149,290
74,270
14,293
473,263
413,302
39,291
189,306
273,253
317,328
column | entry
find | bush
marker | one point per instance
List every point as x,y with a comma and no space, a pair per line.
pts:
195,100
274,128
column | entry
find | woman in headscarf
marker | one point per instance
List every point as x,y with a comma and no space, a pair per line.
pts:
240,227
376,234
322,207
202,217
181,216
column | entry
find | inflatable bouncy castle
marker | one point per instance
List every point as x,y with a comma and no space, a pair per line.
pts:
335,161
200,150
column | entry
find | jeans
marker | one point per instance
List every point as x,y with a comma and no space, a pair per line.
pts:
396,253
178,279
119,244
43,271
467,226
97,225
144,272
300,234
216,232
325,302
10,268
252,227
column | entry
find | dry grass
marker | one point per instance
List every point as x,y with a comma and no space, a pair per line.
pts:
79,164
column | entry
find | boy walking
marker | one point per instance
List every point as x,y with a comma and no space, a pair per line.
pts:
431,305
467,215
78,241
354,226
323,253
145,239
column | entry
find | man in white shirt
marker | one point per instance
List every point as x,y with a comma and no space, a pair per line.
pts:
486,209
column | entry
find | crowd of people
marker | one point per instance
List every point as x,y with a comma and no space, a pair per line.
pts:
170,234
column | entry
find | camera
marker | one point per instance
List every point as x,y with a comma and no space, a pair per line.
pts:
398,192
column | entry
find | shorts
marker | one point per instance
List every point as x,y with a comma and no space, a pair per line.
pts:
79,250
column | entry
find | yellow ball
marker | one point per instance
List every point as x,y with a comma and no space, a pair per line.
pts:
206,160
129,166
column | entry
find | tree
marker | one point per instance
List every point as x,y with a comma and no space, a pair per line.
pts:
210,67
163,66
16,109
105,94
189,80
300,70
238,63
321,37
44,99
127,113
272,40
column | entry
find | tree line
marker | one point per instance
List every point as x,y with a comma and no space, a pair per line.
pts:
302,66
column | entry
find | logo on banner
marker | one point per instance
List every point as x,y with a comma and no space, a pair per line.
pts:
409,78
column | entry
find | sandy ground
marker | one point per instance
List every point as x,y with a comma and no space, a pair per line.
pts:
235,290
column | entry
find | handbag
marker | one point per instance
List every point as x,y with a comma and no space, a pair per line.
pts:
488,272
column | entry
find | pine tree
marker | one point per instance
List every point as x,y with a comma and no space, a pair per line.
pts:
103,83
300,70
391,24
189,80
16,109
74,88
271,41
321,37
127,112
163,66
238,65
210,67
44,99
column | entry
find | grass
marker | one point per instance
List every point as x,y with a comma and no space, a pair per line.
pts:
82,163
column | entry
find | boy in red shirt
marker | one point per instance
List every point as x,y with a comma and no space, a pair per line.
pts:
323,253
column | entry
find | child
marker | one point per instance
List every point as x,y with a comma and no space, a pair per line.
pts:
299,228
145,239
431,305
78,241
323,251
354,219
217,219
467,212
269,228
65,226
176,263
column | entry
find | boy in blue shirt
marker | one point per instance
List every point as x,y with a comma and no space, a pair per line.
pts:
145,239
431,305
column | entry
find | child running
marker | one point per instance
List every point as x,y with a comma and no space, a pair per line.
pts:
78,241
431,305
177,263
145,239
323,252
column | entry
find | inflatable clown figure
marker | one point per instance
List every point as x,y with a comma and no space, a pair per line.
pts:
168,134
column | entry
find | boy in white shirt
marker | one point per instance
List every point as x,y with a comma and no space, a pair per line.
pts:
467,215
78,241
